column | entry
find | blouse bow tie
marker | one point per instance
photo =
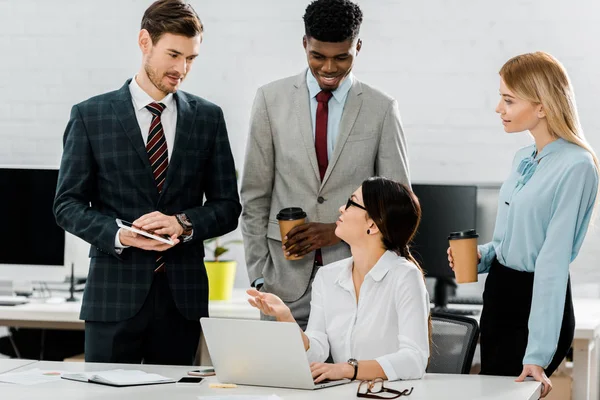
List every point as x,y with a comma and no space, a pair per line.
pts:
526,169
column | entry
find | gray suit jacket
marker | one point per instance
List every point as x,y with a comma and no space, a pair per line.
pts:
281,171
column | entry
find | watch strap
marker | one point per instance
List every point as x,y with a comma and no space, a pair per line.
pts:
354,363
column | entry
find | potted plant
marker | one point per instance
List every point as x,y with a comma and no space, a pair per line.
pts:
221,273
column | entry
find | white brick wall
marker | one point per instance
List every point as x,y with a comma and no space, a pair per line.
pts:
439,58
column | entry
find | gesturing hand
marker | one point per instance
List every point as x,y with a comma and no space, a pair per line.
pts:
308,237
269,304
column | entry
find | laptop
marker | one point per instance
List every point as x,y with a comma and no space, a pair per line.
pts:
259,353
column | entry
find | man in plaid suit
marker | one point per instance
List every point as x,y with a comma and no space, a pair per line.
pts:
148,153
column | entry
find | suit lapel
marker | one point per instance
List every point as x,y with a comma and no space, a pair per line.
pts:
302,108
123,109
186,112
351,110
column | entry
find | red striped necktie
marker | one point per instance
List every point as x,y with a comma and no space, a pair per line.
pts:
158,155
157,146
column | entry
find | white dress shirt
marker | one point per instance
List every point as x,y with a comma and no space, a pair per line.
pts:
168,119
389,323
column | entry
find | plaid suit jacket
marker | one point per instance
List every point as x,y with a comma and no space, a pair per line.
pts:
105,174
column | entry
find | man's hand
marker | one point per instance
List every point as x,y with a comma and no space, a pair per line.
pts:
128,238
309,237
160,224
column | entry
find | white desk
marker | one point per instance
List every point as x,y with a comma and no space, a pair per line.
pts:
39,314
8,364
586,374
586,357
433,386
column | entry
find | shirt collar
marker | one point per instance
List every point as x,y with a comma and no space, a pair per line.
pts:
550,148
339,94
377,273
141,99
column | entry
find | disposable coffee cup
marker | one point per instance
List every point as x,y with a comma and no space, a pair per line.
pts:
288,219
464,253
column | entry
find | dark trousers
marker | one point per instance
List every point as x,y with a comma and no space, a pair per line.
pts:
157,334
504,330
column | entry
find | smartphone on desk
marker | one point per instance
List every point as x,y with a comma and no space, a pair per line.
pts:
190,379
130,227
203,371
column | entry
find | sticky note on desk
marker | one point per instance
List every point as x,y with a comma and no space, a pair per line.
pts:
240,397
222,385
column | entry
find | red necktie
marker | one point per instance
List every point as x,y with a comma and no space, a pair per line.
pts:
158,156
321,130
157,146
321,144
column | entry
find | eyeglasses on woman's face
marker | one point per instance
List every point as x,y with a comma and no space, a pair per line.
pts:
350,202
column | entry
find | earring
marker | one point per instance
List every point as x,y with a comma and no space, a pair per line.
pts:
368,231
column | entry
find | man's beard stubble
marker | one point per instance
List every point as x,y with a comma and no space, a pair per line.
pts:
157,82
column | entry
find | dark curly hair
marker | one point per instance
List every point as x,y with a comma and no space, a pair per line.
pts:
332,20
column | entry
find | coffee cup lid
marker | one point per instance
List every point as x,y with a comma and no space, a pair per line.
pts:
291,214
468,234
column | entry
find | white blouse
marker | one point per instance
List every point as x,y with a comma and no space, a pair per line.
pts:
389,323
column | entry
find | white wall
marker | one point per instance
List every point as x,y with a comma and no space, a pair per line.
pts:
439,58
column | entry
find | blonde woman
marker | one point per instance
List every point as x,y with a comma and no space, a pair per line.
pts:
544,210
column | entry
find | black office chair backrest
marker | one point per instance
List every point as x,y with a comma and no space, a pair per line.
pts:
454,339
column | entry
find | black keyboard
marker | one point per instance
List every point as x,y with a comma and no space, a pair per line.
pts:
456,311
465,300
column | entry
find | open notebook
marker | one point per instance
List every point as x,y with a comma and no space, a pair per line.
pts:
119,378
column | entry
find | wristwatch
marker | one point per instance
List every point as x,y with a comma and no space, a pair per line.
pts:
354,363
186,224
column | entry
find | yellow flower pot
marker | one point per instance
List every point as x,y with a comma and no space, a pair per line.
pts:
221,276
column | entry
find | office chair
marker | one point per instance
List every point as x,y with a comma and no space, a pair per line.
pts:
454,339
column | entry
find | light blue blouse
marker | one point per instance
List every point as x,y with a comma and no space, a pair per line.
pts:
544,209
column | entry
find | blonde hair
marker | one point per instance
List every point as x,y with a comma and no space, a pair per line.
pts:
540,78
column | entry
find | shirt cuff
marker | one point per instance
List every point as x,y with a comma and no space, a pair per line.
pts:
118,245
387,367
187,238
312,354
258,281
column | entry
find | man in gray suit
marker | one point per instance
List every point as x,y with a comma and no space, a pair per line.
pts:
313,139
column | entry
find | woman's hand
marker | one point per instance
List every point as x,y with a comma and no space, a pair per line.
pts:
451,259
539,375
333,372
269,304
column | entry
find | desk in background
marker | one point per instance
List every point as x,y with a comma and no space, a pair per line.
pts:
432,386
39,314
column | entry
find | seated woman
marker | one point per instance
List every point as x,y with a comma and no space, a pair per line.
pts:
372,307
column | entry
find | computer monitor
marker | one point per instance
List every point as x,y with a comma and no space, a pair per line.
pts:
445,209
33,245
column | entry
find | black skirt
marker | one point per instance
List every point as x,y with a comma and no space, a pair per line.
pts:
504,332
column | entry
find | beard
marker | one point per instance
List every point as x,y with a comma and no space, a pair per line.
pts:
157,80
